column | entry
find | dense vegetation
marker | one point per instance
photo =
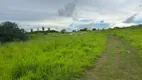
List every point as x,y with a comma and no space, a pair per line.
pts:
51,56
10,31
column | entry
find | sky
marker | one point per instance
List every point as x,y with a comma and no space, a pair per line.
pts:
59,14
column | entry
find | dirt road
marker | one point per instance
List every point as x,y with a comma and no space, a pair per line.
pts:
119,62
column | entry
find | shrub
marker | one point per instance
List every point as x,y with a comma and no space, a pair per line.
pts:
10,31
63,30
85,29
94,29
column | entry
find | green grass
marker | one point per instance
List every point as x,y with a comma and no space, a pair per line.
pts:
116,63
64,56
51,57
132,36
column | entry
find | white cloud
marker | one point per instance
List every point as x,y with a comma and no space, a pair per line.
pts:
34,13
123,25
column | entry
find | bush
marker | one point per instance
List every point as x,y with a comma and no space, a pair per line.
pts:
94,29
10,31
63,30
85,29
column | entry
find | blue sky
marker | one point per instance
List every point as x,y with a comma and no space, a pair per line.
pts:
102,25
60,14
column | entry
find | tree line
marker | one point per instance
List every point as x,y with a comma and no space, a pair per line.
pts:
43,31
11,31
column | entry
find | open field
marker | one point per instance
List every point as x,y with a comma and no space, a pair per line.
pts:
108,54
50,57
70,39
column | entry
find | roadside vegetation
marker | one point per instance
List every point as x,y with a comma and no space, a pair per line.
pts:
131,35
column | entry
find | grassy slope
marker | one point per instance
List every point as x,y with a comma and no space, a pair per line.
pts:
50,57
119,62
133,36
122,60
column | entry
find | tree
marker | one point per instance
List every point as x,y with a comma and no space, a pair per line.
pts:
74,31
31,30
85,29
43,28
37,29
94,29
48,29
63,30
10,31
116,27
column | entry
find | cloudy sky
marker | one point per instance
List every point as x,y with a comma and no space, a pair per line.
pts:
67,13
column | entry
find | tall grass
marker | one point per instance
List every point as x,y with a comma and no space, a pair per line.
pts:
133,36
50,57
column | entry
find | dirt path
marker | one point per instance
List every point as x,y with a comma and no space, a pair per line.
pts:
119,62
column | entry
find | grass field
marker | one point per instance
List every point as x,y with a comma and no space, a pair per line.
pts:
50,57
119,62
133,36
68,57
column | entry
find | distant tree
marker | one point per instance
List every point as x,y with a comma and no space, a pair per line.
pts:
94,29
37,29
43,28
140,25
48,29
31,30
116,27
10,31
53,31
63,30
74,31
85,29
